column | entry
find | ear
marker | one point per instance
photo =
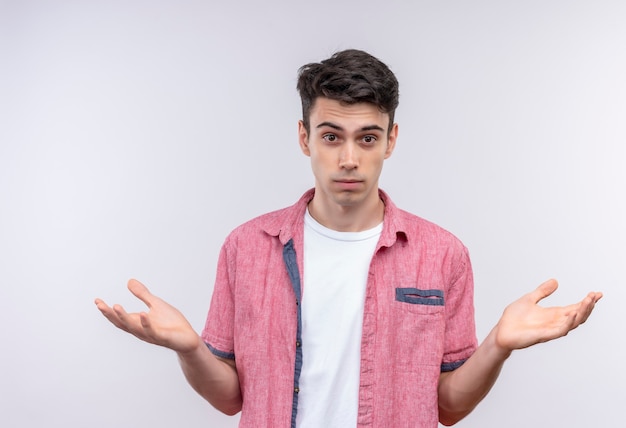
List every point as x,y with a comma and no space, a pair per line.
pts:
303,138
391,140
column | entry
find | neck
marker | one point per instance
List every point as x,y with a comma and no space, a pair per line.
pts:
347,218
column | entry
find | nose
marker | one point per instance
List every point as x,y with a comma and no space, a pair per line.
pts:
348,156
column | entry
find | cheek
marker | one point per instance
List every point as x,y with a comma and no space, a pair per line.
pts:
317,166
319,160
377,162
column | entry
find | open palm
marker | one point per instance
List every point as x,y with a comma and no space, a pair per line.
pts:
525,323
162,325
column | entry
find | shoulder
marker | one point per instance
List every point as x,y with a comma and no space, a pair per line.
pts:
423,229
283,223
433,246
417,230
266,223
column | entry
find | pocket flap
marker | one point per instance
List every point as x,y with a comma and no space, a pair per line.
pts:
420,297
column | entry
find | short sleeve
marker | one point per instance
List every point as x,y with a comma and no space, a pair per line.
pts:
218,332
460,331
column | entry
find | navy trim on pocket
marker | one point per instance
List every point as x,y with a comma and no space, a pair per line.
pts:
420,297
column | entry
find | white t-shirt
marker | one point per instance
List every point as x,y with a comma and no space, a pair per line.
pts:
336,266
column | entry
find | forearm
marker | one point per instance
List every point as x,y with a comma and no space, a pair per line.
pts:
461,390
213,378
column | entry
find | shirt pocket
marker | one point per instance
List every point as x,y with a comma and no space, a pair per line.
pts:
419,324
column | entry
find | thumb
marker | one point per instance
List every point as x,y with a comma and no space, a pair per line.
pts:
544,290
140,291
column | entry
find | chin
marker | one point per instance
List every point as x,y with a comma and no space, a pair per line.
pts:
349,199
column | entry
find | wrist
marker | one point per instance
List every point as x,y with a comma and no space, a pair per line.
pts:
500,349
192,350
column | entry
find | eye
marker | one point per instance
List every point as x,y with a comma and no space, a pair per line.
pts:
330,138
369,140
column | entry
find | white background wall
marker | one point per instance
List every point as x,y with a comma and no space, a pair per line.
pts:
134,135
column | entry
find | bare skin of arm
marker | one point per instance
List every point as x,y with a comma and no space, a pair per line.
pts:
213,378
524,323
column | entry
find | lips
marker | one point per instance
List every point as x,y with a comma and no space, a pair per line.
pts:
348,184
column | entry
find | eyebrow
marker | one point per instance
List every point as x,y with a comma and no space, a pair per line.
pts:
339,128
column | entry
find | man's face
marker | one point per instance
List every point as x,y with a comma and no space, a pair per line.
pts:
347,145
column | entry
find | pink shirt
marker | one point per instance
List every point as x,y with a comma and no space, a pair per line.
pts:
418,317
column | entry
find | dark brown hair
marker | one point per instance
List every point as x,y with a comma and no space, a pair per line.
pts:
350,76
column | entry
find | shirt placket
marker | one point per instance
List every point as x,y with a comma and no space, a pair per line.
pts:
366,383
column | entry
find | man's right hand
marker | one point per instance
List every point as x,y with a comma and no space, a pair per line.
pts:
162,325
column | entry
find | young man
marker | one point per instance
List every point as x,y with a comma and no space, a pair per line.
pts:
343,310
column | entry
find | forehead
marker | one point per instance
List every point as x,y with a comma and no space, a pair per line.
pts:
347,115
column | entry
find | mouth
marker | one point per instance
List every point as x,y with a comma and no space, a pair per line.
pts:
348,184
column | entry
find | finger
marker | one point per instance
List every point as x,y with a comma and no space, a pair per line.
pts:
101,305
580,312
586,307
149,334
128,321
145,321
140,291
544,290
109,314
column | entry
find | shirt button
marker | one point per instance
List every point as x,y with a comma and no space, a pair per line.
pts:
297,344
296,390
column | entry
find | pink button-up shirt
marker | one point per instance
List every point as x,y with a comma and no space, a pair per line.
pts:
418,317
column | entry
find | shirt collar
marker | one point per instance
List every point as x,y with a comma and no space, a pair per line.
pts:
286,222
